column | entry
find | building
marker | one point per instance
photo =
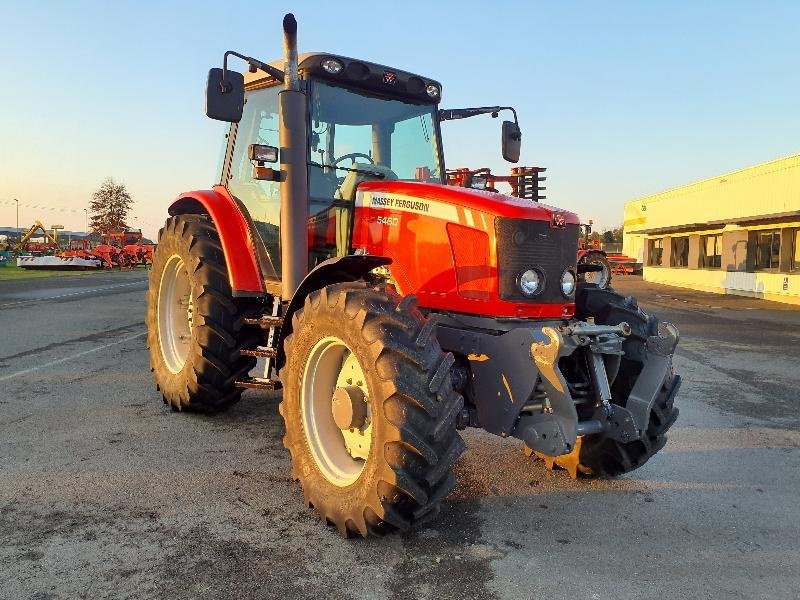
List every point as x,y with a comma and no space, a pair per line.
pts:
734,234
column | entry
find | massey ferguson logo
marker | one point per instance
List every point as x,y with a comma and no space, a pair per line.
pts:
558,221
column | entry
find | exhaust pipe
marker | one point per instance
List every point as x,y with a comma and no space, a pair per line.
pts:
291,79
294,152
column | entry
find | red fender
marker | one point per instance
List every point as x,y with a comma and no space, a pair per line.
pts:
234,234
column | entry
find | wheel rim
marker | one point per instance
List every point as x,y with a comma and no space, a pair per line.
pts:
175,313
599,278
340,454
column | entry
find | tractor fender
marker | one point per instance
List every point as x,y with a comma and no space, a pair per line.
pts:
586,254
234,232
334,270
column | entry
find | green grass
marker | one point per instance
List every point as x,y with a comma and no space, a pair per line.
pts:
11,272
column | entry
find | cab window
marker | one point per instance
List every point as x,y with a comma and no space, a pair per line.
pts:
259,125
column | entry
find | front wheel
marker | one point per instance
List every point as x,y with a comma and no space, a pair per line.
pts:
599,454
369,409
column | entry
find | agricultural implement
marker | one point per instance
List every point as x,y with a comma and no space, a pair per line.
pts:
121,250
392,309
26,245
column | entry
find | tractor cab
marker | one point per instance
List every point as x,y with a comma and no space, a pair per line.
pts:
366,122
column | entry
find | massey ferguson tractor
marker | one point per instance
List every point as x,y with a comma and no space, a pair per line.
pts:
393,310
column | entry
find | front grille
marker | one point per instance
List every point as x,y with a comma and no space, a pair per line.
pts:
523,244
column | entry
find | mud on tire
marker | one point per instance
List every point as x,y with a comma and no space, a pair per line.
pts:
600,455
414,408
205,381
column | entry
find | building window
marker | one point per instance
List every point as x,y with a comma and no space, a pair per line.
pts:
711,251
796,249
656,251
768,249
680,252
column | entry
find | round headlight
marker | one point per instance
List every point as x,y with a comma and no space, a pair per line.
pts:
432,90
568,283
332,66
530,282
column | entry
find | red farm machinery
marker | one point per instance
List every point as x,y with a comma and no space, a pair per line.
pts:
124,249
120,249
392,309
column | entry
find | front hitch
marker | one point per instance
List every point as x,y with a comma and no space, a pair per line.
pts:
556,429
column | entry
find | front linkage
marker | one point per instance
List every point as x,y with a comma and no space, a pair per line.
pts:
559,385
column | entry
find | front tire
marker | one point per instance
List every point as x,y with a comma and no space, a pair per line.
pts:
194,325
600,455
407,429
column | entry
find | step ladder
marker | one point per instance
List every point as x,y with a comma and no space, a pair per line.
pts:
271,325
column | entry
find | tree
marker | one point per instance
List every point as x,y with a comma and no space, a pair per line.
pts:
109,207
612,236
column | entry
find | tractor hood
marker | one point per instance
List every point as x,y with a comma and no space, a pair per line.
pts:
492,203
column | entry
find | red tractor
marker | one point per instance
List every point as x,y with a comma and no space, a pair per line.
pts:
392,309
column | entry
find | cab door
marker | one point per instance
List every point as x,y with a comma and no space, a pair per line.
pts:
260,199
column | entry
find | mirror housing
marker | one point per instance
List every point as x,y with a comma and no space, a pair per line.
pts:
511,141
225,99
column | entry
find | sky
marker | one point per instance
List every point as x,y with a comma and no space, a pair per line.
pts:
617,99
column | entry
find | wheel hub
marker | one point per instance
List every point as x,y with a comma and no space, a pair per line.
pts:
336,411
349,407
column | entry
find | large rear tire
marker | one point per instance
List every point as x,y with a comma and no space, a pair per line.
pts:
598,454
194,325
353,340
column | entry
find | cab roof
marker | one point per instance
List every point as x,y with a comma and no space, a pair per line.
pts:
355,73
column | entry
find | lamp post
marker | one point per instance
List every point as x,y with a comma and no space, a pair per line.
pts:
86,220
17,201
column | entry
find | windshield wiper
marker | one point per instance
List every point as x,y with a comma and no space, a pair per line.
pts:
373,173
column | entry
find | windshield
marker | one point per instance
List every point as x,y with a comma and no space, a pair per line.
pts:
368,138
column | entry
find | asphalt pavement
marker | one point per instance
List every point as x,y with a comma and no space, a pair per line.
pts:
104,493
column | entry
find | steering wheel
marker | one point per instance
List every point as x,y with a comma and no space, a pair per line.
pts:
353,156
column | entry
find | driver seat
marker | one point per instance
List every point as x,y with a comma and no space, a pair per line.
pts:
347,190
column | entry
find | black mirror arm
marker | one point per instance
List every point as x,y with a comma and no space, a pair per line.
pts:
254,64
451,114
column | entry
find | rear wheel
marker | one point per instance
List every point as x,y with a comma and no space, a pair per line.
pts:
194,325
369,409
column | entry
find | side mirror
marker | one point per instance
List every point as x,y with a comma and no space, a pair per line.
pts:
225,100
511,141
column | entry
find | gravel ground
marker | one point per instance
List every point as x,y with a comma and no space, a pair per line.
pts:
104,493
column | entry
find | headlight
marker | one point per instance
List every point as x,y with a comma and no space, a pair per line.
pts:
530,282
332,66
568,283
432,90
